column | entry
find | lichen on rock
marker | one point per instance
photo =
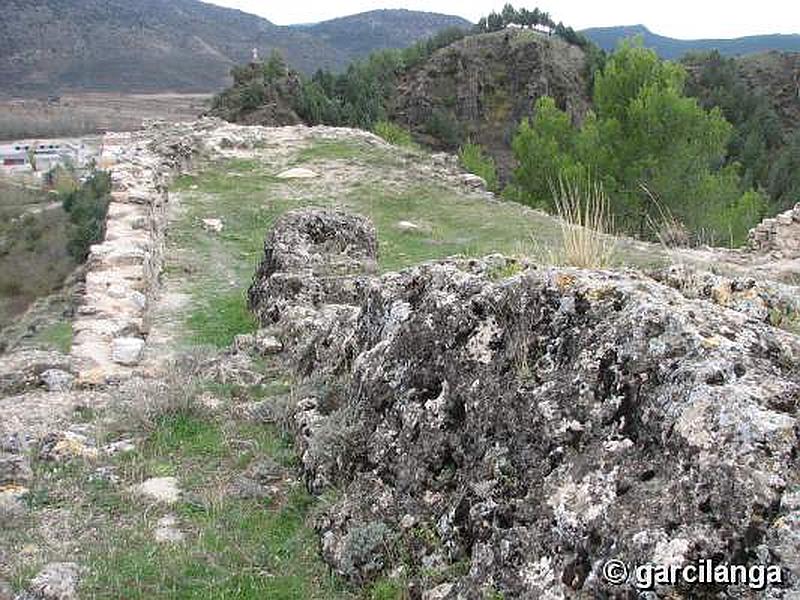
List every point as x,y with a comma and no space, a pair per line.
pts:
535,426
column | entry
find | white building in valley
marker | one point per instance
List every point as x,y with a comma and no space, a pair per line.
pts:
40,156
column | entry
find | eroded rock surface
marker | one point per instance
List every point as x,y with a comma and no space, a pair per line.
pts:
30,369
531,428
56,581
765,301
313,273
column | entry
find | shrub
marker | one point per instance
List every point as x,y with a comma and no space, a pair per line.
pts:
144,404
393,133
362,552
445,127
87,207
736,220
644,131
476,161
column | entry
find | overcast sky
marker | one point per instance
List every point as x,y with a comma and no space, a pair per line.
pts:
675,18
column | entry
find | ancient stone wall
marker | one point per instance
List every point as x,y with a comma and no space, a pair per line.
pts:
122,272
779,235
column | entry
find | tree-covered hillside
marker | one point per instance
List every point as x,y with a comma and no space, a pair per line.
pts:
180,45
609,38
687,152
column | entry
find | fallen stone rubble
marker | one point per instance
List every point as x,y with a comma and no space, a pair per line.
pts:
511,434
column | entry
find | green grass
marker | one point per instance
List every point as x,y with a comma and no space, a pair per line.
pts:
187,434
785,319
220,266
452,223
473,158
394,134
235,547
219,317
243,549
330,150
388,589
56,337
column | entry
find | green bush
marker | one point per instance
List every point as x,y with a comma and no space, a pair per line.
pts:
653,149
87,207
393,133
445,127
734,221
475,160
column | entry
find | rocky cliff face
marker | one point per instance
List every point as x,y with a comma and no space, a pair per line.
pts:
489,82
494,427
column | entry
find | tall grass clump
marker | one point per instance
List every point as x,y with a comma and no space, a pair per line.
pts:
393,133
476,161
586,223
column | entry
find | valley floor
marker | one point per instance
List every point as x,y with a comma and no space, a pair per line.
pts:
88,113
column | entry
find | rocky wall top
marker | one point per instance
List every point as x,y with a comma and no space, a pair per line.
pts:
122,271
779,236
512,434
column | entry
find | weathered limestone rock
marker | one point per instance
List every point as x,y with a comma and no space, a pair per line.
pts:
159,489
297,173
64,446
407,226
212,225
778,235
763,301
25,369
127,350
15,469
313,257
539,425
440,592
167,532
56,380
472,181
30,416
261,342
56,581
313,273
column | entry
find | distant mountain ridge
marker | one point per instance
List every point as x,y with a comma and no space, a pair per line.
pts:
672,48
363,33
181,45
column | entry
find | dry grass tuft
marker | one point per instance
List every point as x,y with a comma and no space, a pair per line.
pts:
586,224
668,229
141,404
